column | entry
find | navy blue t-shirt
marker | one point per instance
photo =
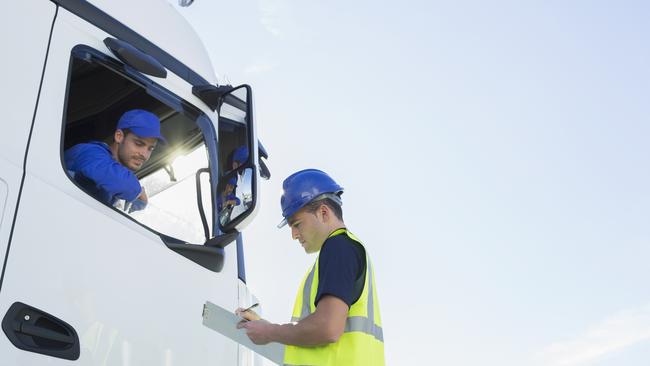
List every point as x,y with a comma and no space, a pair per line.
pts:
341,269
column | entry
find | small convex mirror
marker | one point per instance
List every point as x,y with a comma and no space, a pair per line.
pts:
236,196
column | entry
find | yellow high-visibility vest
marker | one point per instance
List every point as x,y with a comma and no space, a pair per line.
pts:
362,342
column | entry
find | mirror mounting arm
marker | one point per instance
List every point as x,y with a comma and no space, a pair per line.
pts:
211,95
222,240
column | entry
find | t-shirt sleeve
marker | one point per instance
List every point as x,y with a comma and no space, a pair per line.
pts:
339,265
108,174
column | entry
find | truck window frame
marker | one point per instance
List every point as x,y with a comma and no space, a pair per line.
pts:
164,96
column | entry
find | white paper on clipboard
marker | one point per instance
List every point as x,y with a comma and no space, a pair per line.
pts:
225,322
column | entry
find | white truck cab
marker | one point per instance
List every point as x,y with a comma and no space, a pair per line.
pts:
91,283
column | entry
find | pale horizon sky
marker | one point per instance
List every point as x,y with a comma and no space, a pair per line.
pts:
494,158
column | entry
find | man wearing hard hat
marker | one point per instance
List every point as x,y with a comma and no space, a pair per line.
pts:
335,317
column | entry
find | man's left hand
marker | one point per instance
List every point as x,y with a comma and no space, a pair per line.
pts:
143,196
259,331
137,205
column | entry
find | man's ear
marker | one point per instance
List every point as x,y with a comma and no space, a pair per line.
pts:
118,136
324,212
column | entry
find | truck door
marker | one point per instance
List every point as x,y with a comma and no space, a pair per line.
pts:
21,67
79,271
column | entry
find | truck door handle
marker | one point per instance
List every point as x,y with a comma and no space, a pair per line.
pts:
34,330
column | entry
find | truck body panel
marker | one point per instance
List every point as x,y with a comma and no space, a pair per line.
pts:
131,300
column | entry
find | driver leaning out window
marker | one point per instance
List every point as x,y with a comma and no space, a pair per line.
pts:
106,171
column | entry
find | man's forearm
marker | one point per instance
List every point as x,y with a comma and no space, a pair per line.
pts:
304,333
323,326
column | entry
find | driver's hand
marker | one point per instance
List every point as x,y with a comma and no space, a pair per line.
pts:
137,205
143,196
140,203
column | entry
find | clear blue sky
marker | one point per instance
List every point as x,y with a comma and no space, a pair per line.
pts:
495,157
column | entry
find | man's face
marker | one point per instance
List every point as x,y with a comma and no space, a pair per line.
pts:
309,229
132,150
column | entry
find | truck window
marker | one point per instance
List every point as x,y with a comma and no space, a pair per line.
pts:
100,92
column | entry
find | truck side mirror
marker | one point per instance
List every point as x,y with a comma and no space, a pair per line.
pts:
239,160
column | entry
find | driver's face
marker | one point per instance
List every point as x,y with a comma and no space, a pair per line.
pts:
133,151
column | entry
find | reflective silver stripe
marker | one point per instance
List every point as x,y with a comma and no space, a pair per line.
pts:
371,302
364,325
306,294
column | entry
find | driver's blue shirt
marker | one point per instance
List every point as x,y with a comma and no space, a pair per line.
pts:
93,167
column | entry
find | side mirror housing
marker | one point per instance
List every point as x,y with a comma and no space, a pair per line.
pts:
239,160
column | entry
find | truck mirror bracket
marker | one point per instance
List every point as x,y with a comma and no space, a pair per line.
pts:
209,257
222,240
211,94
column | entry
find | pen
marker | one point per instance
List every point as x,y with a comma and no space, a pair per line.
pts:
250,307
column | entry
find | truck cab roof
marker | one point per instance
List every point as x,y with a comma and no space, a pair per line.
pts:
159,22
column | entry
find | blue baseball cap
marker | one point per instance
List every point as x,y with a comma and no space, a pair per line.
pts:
240,154
142,123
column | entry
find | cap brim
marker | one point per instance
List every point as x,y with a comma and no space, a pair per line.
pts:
161,139
146,134
282,224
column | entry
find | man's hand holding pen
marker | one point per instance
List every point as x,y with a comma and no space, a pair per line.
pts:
248,313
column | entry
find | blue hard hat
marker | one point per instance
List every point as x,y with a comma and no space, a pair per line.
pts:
142,123
240,154
303,187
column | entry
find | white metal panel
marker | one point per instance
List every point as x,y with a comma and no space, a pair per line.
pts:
21,65
160,22
131,299
9,185
245,300
24,30
4,188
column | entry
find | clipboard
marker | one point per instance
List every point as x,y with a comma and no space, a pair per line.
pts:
225,323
